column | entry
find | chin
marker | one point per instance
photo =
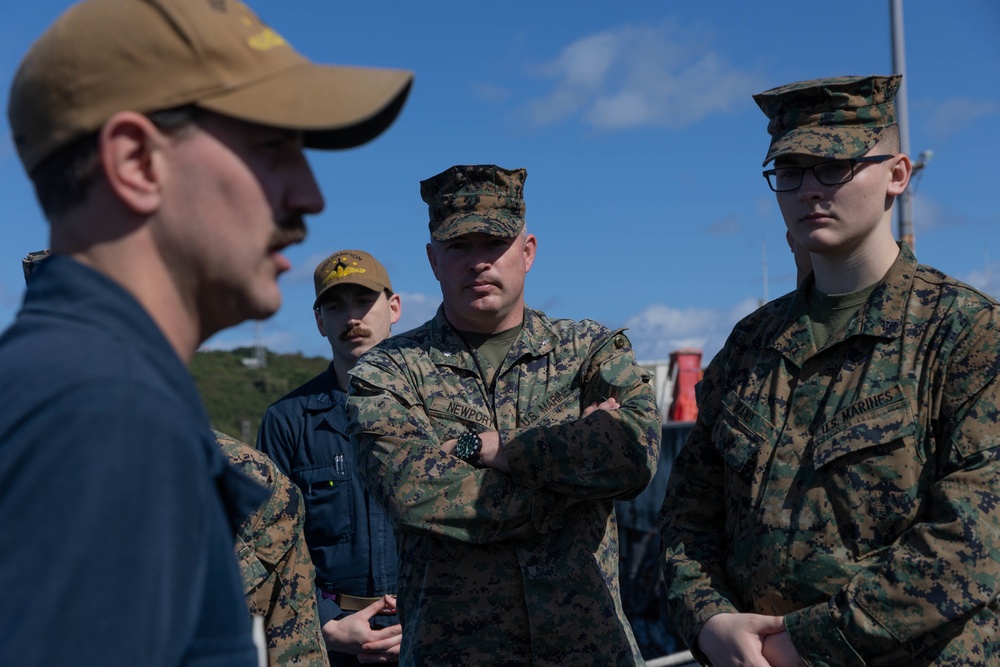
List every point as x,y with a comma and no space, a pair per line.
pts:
263,308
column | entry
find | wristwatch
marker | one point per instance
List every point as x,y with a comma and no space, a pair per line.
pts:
468,448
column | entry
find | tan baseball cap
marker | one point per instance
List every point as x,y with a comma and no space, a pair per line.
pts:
350,267
105,56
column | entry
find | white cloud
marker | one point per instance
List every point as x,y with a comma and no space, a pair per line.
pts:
659,329
417,309
635,76
987,279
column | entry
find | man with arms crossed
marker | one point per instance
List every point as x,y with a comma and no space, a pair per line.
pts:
498,439
835,504
164,139
305,433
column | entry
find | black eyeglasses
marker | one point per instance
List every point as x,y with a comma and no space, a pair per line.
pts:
831,172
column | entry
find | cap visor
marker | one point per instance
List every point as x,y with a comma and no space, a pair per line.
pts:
477,224
335,106
367,284
830,142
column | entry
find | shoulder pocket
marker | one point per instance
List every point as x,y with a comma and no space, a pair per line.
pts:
868,461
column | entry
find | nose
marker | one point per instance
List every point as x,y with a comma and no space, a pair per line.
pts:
481,256
303,196
811,189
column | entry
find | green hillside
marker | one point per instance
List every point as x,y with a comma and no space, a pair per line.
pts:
236,395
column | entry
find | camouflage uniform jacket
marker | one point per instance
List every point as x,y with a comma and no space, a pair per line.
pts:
278,578
519,568
855,489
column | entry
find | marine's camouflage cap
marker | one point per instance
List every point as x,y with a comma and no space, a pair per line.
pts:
466,199
840,117
350,267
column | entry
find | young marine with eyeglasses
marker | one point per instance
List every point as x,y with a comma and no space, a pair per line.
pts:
837,501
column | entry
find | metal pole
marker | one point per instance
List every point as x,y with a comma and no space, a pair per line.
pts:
763,255
904,207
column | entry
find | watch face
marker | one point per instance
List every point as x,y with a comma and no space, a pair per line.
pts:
467,447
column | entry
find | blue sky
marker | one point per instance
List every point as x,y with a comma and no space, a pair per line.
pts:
642,144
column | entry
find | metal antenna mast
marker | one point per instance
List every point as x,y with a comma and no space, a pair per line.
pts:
904,212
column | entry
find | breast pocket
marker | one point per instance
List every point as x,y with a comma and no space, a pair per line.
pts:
739,435
869,464
329,498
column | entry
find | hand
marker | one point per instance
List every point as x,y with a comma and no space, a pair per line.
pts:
354,635
737,640
608,404
779,651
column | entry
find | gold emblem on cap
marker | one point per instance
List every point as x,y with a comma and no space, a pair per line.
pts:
266,40
342,269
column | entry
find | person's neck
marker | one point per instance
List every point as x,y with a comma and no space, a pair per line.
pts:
486,325
341,368
138,270
856,269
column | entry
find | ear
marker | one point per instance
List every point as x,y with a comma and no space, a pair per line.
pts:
432,258
395,308
529,249
899,175
128,143
319,323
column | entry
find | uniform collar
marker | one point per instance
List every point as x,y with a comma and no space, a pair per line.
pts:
448,349
329,394
881,316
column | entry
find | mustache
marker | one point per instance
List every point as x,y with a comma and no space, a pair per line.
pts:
290,231
356,331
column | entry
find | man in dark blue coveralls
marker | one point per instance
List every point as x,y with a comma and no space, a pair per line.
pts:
350,538
165,142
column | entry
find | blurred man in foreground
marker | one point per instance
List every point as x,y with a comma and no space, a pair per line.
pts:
164,139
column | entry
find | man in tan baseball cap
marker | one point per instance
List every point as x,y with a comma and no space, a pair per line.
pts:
165,142
105,56
351,539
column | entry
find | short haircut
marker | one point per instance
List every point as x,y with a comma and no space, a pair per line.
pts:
888,139
63,180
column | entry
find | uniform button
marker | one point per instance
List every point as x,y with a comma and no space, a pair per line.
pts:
619,342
